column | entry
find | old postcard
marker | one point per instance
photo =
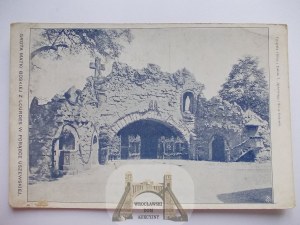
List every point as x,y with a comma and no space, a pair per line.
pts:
150,116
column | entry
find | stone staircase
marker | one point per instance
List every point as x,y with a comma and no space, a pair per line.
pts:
247,150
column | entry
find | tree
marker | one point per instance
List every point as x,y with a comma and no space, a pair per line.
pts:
246,85
106,42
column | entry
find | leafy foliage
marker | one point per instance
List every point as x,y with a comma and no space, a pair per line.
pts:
106,42
246,85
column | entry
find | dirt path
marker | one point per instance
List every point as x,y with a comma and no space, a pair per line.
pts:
214,182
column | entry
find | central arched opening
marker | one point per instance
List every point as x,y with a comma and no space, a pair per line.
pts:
150,139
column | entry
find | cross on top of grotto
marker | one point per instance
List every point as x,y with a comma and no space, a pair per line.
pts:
97,66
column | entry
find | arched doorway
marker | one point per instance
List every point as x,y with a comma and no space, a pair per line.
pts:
64,150
217,149
146,138
66,144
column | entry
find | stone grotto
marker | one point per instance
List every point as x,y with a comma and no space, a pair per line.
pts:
140,114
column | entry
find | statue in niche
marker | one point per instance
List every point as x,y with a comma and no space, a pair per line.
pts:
187,104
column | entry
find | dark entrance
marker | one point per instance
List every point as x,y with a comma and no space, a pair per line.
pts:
149,131
218,148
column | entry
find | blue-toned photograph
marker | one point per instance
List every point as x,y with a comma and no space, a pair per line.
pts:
192,97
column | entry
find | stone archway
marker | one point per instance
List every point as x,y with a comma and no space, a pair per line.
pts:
64,145
168,120
110,143
151,139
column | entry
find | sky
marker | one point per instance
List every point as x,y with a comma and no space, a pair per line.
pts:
209,53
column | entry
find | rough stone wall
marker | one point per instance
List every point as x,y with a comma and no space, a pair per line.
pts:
42,130
102,102
125,94
127,90
46,123
84,154
217,117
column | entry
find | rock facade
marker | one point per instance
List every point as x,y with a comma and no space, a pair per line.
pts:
113,117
